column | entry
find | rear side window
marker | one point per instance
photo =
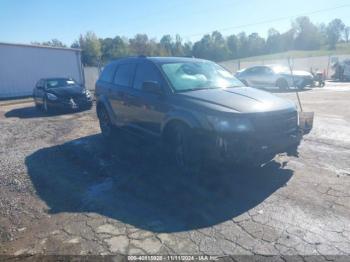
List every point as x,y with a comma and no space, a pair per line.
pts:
108,73
145,72
124,75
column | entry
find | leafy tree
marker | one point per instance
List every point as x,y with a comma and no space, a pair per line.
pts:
273,42
53,43
139,45
256,44
166,43
347,33
232,45
243,48
91,49
303,35
334,31
113,48
307,35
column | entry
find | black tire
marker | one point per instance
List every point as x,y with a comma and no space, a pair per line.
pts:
182,149
106,126
282,84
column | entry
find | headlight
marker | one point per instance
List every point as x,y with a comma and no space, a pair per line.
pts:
51,96
87,93
234,124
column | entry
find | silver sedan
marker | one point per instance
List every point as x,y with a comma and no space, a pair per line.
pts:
274,76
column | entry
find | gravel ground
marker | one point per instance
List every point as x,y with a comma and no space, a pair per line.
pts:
63,190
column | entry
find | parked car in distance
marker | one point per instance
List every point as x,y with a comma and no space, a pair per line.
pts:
61,93
274,76
197,109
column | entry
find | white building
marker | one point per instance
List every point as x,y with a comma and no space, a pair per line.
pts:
21,66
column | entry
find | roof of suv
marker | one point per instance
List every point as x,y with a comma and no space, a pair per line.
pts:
160,59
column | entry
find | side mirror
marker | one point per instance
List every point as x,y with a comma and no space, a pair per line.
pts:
40,87
152,87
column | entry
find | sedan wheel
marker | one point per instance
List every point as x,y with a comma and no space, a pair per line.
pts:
282,84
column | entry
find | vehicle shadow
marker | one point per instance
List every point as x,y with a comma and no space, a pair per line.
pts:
32,112
133,184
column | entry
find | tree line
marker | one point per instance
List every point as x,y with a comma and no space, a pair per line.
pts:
303,35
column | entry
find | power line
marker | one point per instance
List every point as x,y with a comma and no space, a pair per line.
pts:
270,20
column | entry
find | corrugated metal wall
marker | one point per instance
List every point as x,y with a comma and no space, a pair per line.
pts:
21,66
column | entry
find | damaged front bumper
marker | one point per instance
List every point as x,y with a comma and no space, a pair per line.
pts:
251,147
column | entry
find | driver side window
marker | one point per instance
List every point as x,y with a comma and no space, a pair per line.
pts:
145,72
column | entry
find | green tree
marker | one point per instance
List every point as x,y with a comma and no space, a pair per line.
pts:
256,44
166,44
307,35
334,32
53,43
243,47
274,41
232,45
91,49
139,45
347,33
113,48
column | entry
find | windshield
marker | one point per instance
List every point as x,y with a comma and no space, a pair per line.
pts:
280,69
60,82
189,76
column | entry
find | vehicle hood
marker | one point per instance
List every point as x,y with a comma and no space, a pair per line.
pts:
240,99
69,91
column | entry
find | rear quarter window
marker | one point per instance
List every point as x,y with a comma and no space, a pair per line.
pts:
108,73
124,75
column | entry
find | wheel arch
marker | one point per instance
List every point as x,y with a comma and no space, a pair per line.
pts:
103,102
187,120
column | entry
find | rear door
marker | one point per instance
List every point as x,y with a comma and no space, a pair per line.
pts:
120,92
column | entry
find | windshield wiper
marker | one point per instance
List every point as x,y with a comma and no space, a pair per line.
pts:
196,89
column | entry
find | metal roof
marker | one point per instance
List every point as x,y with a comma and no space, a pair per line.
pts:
40,46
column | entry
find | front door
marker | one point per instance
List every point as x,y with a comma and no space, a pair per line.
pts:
147,109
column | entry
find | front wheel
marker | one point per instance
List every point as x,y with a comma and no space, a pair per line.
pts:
282,84
183,150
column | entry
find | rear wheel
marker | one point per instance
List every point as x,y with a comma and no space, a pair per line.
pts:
282,84
106,126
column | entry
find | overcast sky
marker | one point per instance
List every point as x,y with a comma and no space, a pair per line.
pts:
42,20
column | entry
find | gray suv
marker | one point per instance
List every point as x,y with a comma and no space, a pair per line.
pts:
196,108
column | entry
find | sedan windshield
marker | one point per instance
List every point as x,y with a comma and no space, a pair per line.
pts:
190,76
59,82
278,69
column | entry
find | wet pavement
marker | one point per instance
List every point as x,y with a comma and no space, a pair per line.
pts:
63,190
